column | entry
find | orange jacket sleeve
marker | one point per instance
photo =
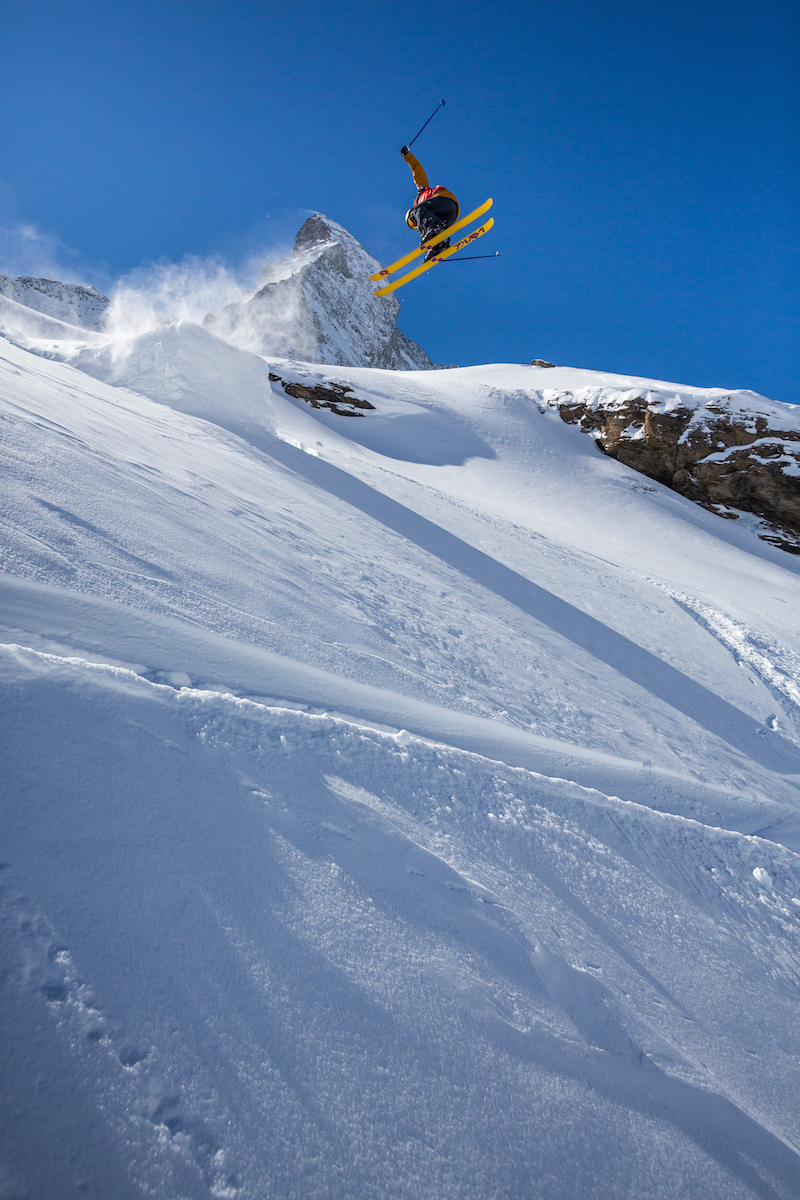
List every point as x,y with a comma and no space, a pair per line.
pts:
420,178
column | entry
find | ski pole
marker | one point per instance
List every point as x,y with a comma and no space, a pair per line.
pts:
430,118
471,257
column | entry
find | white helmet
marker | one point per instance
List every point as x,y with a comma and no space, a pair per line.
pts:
411,218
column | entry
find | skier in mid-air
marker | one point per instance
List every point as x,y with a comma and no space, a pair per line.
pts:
434,210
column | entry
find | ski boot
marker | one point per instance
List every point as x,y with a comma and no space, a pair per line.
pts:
437,249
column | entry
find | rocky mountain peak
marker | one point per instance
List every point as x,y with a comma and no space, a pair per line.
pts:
316,231
318,305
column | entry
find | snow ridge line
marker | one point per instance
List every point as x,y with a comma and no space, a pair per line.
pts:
37,662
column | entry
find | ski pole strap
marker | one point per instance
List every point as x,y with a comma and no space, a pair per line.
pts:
430,118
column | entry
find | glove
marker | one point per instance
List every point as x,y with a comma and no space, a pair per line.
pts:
404,150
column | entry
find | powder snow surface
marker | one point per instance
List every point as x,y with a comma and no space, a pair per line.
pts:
400,805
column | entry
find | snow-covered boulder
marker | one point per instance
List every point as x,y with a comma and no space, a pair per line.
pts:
318,306
75,303
727,450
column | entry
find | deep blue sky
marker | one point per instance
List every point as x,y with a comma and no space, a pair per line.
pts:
643,160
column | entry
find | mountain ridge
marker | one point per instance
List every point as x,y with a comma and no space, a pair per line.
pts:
74,303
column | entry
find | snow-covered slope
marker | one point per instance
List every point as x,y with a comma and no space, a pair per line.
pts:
396,804
319,305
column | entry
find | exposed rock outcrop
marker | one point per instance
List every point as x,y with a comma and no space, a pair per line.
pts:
335,396
317,305
727,451
76,303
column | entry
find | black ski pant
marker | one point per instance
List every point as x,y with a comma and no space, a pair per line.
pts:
434,215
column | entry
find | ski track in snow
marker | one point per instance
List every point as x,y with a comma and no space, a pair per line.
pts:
392,806
775,664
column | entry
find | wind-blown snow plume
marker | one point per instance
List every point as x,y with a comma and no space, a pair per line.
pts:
163,292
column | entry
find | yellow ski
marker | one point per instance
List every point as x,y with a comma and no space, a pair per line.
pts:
402,262
465,241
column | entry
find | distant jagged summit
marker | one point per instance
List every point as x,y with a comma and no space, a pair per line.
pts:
317,305
316,231
76,303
